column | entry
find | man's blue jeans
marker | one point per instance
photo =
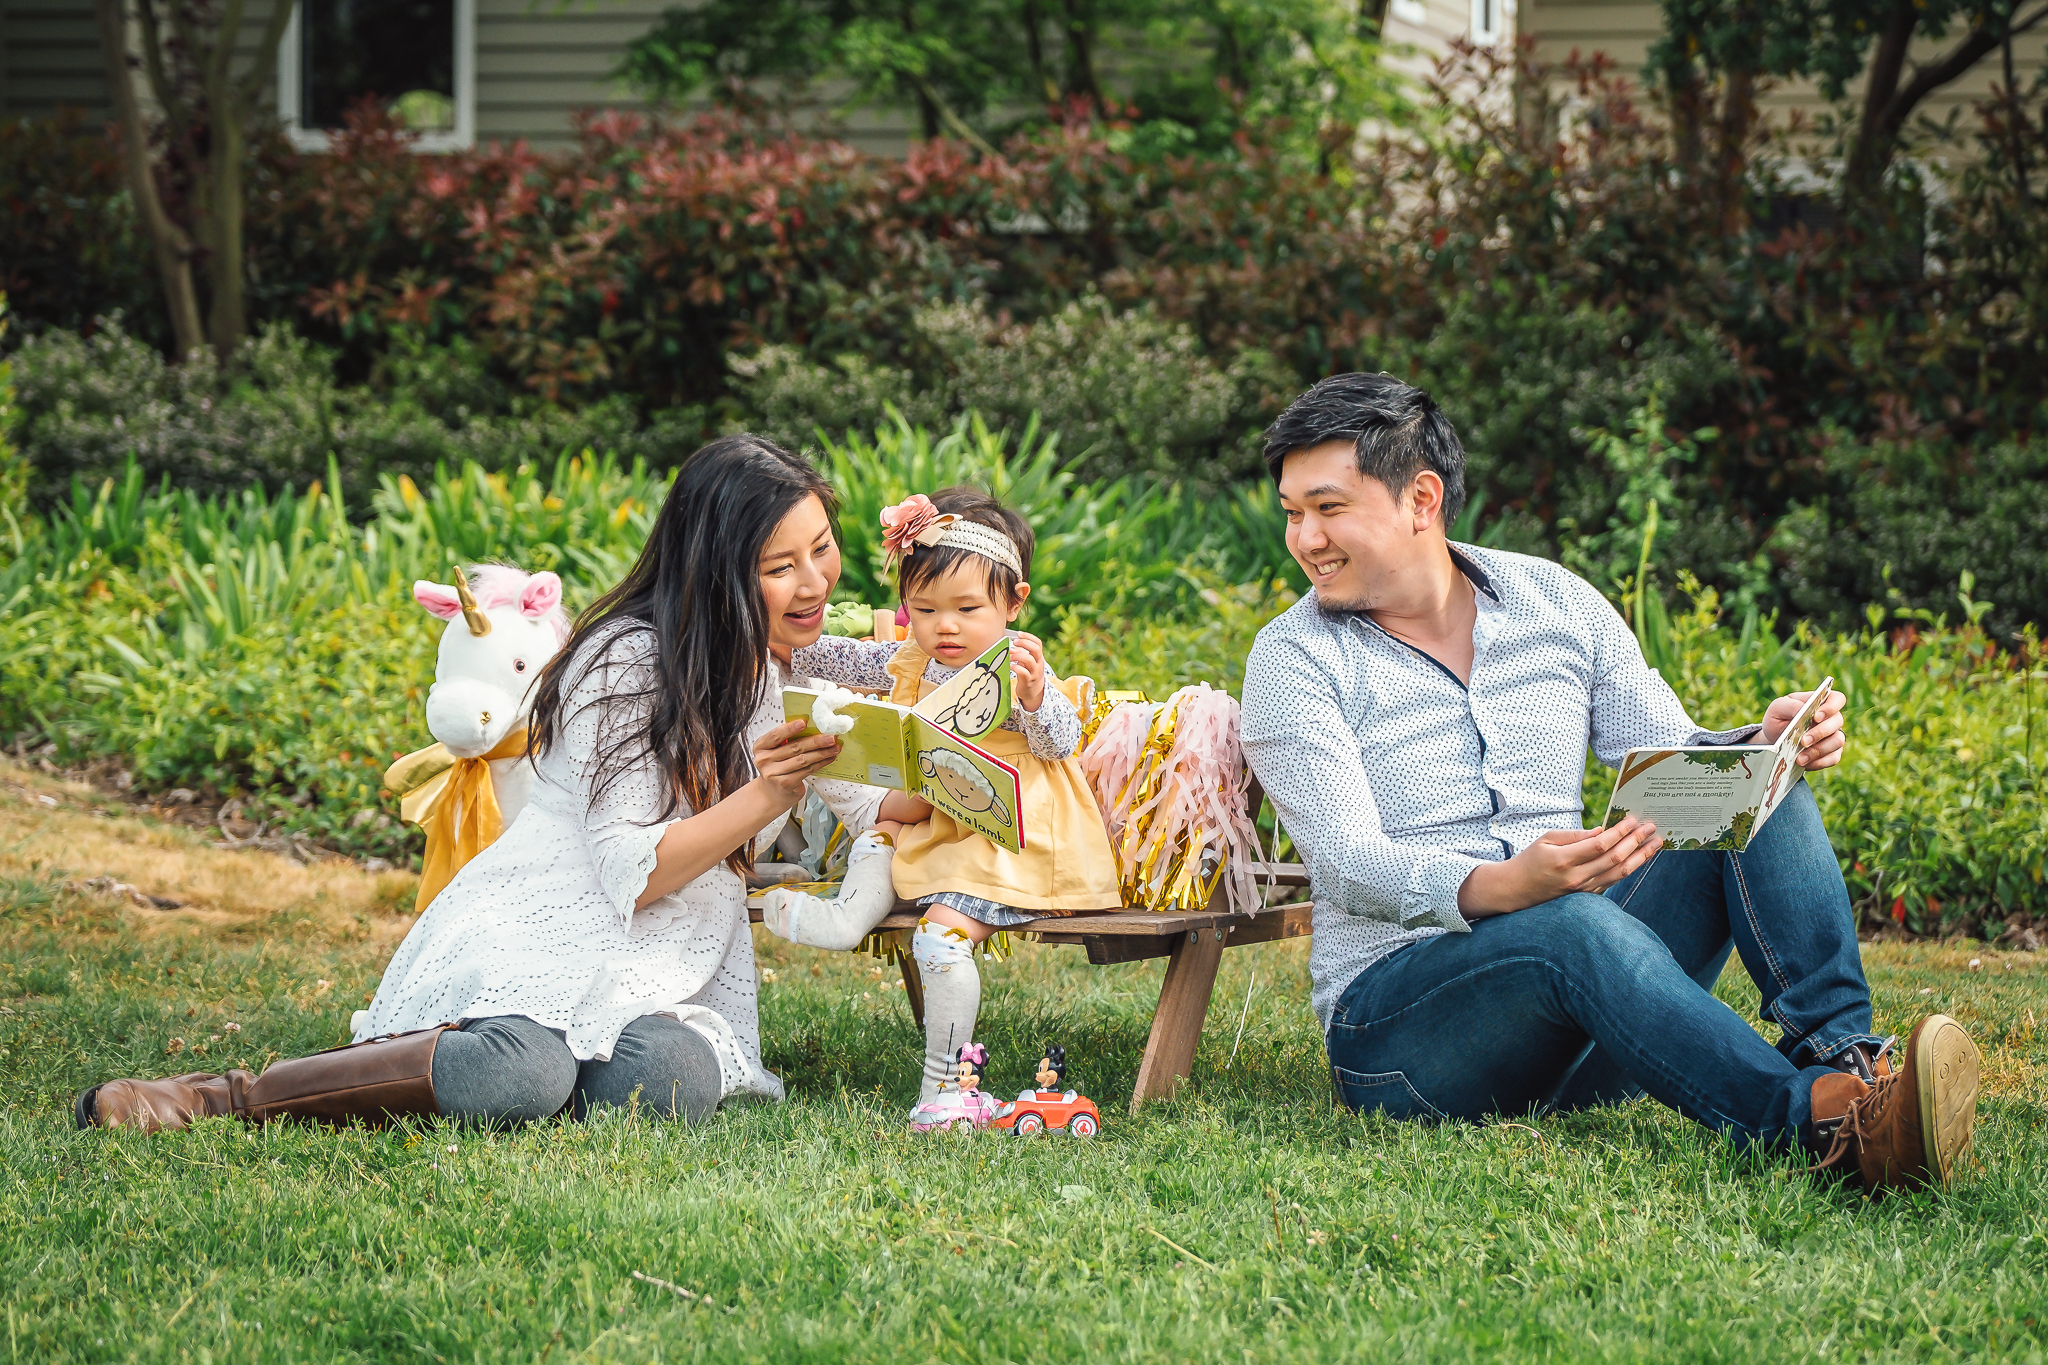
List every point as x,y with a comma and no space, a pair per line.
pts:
1588,999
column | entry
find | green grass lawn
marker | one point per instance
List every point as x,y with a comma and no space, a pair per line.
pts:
1250,1220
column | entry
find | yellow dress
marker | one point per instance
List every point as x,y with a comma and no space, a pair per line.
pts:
1066,864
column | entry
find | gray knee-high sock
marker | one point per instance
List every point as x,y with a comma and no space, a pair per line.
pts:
867,894
952,998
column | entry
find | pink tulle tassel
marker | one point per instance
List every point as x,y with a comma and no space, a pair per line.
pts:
1195,801
1111,760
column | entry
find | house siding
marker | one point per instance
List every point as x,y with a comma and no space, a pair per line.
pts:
534,67
50,57
1627,29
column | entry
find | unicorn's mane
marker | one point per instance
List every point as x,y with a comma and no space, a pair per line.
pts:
499,585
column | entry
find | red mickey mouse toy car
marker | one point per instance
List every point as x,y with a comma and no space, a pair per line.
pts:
1049,1107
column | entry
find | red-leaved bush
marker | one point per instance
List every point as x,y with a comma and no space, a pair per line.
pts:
1544,265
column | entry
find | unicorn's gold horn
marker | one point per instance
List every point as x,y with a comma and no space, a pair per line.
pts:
479,624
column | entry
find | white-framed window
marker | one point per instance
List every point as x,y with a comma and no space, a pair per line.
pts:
1411,11
415,57
1487,21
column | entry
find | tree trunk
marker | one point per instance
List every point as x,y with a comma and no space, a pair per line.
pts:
1888,103
1034,24
1738,117
1688,112
227,317
173,246
227,309
1081,53
1872,147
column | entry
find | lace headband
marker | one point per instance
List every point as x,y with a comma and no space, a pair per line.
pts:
915,521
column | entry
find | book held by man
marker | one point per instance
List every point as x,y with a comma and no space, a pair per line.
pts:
1712,796
928,749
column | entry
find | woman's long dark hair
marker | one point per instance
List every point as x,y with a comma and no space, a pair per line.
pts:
697,586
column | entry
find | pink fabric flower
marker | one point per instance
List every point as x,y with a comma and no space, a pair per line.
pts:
914,521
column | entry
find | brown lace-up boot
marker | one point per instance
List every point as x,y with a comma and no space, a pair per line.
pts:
382,1079
1912,1128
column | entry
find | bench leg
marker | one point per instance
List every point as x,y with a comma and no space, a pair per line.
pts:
913,989
1177,1025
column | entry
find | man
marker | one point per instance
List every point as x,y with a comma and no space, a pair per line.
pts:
1421,720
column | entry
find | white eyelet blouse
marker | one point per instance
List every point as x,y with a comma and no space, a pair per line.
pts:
542,922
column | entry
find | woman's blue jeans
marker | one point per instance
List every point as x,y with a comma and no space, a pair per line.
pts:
1588,999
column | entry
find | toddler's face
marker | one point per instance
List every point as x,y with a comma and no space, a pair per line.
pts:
952,617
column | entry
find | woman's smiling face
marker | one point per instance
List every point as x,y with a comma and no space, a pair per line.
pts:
799,568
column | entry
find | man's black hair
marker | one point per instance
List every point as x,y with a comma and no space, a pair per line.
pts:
1397,430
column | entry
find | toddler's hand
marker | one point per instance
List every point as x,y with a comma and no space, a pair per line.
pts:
1027,669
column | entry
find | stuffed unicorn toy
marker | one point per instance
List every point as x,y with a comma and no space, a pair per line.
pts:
467,789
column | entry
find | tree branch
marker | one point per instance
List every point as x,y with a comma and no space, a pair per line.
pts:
1887,104
220,62
951,119
175,109
250,88
1975,47
173,245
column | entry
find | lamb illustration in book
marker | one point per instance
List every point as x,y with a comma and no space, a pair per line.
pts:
928,749
982,706
963,782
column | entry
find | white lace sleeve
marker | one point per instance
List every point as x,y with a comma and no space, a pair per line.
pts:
622,817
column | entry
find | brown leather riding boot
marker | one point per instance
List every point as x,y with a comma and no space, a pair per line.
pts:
152,1106
375,1081
1913,1126
385,1078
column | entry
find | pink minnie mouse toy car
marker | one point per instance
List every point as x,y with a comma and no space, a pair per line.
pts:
961,1105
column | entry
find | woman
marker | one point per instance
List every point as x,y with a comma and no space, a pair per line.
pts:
598,952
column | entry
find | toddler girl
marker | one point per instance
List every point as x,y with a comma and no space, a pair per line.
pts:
965,568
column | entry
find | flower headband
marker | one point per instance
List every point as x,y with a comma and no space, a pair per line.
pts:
915,521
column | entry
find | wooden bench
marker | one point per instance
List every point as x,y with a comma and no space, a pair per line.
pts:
1193,944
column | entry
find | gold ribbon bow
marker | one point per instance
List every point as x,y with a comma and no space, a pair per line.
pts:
452,799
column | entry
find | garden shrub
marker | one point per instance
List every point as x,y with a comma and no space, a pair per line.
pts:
277,416
1125,392
1528,379
267,649
1915,516
70,249
1540,285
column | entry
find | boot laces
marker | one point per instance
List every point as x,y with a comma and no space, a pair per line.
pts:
1865,1112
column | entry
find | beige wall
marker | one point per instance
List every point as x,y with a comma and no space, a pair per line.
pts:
1626,29
536,64
49,55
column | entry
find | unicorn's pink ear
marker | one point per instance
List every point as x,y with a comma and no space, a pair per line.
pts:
541,595
438,600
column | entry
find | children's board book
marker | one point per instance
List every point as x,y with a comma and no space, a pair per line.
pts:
1712,796
928,749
